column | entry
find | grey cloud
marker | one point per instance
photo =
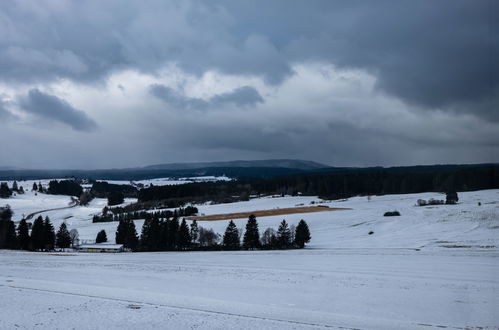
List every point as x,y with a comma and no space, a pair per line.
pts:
245,96
433,54
51,107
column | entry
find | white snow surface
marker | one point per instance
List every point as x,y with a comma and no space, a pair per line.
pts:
432,267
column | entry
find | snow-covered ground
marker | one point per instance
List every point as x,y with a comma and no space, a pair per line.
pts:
435,266
171,181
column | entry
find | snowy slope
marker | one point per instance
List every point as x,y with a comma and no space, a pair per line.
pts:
432,267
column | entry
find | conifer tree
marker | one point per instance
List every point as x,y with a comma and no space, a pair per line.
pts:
164,235
194,231
302,235
49,234
231,239
35,187
132,239
283,235
150,237
38,234
101,237
62,238
184,235
15,187
251,239
23,235
5,191
121,232
8,237
173,233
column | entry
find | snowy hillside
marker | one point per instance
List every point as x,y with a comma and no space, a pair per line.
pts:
440,226
432,267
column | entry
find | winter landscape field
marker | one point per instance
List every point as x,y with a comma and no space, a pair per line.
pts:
432,267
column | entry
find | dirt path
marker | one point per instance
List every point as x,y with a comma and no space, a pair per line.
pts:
266,213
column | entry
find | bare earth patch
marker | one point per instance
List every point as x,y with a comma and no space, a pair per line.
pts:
267,213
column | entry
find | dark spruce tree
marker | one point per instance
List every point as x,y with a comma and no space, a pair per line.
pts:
49,234
35,187
451,197
184,236
251,239
150,237
38,234
131,239
8,237
23,235
121,232
194,232
302,234
283,235
101,237
173,227
62,238
5,191
231,239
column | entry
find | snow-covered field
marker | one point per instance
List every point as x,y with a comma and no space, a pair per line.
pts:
435,266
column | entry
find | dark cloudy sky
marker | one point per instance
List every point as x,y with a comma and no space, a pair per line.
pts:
94,84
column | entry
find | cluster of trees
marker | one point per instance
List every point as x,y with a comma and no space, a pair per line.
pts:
451,198
284,238
170,234
336,184
6,192
65,187
102,189
42,237
115,214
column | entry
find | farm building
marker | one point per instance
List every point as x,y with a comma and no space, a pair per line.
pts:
111,248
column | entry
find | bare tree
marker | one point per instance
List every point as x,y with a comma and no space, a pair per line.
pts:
75,237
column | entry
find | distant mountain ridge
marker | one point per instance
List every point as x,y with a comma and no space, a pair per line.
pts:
269,163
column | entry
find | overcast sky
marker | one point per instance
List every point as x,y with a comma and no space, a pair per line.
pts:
98,84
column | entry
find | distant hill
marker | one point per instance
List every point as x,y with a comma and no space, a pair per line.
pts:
270,163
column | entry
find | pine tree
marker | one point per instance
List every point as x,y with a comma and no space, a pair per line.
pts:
302,235
184,236
251,239
131,238
283,235
194,231
231,237
38,234
62,238
15,187
101,237
150,237
121,232
5,191
49,234
23,235
8,237
35,187
164,235
173,226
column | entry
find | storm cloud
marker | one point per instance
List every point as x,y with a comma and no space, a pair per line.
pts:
244,96
345,83
51,107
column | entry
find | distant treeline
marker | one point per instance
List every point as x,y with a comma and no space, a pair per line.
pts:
117,214
338,184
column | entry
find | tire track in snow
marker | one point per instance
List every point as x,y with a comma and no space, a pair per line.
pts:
193,309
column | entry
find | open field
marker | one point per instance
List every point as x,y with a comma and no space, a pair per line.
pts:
434,267
267,213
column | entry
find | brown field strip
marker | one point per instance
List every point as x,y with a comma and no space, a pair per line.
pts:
266,213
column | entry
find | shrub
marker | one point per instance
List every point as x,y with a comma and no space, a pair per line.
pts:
392,214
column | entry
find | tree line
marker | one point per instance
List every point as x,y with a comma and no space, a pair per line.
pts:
170,234
338,184
118,214
42,237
